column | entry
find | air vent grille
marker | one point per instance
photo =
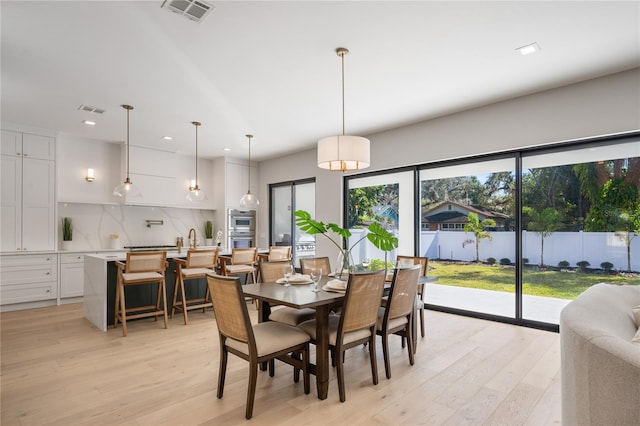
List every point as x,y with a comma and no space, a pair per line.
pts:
91,109
192,9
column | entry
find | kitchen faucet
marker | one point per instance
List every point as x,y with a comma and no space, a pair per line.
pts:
193,241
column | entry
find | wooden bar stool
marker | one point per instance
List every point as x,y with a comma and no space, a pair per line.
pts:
141,268
243,261
197,265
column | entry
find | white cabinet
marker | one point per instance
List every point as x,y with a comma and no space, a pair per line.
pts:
27,197
28,278
71,275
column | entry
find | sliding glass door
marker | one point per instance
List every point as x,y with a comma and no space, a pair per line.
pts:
285,199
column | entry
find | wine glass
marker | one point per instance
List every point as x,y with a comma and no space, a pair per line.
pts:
316,274
288,271
365,263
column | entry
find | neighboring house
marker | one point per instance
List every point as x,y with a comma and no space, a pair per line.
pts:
452,216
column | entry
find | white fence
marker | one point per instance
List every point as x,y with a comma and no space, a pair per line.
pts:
573,247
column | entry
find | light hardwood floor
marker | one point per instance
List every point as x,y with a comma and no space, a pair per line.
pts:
57,369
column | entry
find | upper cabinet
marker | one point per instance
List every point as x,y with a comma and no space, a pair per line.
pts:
27,192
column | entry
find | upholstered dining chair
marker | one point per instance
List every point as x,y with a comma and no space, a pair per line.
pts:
397,316
307,264
198,264
277,253
357,323
141,268
272,271
254,343
424,268
243,262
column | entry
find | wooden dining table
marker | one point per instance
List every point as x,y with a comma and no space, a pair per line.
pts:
301,296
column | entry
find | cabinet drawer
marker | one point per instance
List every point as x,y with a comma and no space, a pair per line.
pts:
72,258
28,292
12,275
35,259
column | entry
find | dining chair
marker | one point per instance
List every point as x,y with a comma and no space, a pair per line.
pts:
279,253
397,316
307,264
141,268
255,343
243,262
357,323
424,268
271,272
198,264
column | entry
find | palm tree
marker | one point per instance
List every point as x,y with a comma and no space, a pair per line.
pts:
544,224
477,227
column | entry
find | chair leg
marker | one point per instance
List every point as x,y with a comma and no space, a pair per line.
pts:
207,296
116,310
123,311
372,355
251,392
184,301
164,303
385,353
155,318
340,373
222,372
422,322
272,367
174,299
296,372
410,345
305,370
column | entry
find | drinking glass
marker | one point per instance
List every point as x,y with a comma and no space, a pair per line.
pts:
365,263
288,271
316,274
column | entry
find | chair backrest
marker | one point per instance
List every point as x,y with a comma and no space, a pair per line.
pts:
202,258
271,271
231,311
146,261
244,256
307,264
361,301
279,253
405,261
402,295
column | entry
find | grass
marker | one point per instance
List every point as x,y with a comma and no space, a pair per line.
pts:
536,282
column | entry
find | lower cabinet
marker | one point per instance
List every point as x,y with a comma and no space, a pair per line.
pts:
71,275
28,278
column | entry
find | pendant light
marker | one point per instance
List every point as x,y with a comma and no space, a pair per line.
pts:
195,193
344,152
126,189
249,201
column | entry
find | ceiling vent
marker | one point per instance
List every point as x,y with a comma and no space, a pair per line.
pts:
192,9
91,109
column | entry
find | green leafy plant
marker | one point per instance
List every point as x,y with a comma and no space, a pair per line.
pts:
505,261
491,260
377,235
208,229
583,265
563,264
607,266
67,229
477,228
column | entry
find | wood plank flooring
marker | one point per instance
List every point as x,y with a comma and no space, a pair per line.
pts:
56,369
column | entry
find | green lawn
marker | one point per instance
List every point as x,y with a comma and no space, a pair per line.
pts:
550,283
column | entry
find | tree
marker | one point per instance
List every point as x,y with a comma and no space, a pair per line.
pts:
477,227
544,224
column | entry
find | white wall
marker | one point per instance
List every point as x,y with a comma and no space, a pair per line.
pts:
605,105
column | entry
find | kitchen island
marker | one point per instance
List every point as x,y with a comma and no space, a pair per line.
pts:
100,277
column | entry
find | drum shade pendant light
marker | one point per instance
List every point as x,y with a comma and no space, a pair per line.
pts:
195,193
344,152
126,189
249,201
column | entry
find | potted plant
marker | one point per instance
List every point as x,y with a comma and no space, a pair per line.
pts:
67,233
377,235
208,233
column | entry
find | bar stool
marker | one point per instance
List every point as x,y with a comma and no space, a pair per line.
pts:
141,268
243,261
197,265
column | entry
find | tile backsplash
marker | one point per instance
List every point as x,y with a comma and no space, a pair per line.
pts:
94,225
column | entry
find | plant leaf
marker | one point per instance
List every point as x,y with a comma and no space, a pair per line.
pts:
381,238
308,225
345,233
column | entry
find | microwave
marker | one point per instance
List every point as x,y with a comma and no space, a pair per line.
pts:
242,220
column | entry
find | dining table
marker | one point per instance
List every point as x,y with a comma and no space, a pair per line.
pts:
301,296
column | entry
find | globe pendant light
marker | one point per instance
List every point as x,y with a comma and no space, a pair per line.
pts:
195,193
249,201
126,189
343,153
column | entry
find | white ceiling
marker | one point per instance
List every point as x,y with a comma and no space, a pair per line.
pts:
270,68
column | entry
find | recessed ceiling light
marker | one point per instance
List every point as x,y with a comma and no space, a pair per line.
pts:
529,48
89,122
226,149
167,138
